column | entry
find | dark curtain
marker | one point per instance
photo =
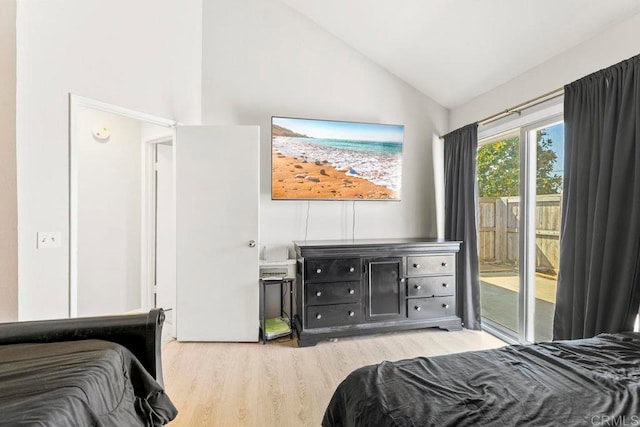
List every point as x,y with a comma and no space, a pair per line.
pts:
460,155
598,283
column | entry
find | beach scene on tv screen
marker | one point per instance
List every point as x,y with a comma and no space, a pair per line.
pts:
320,159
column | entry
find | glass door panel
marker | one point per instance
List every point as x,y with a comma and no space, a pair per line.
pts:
548,205
385,290
498,226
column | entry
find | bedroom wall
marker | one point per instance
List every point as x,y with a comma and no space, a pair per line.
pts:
109,183
8,209
143,55
613,45
261,58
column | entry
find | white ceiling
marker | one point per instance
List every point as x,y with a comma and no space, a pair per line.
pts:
455,50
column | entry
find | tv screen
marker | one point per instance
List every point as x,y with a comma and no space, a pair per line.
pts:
333,160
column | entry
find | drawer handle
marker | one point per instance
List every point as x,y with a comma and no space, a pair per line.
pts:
445,305
418,287
444,264
352,269
319,271
318,293
445,285
416,265
352,313
418,308
351,291
318,316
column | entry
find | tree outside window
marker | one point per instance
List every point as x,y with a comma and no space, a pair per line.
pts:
499,167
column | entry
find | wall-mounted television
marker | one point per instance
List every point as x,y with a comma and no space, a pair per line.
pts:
335,160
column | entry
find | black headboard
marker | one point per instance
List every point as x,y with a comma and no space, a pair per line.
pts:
140,333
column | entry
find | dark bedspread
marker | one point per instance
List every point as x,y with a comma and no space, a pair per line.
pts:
78,383
586,382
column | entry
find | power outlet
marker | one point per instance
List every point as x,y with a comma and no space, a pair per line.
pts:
49,239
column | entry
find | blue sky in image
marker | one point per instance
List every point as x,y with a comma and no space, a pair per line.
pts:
556,134
343,130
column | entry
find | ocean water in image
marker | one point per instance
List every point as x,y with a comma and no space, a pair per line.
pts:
378,162
372,147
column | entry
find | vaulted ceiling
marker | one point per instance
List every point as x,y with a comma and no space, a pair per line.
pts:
455,50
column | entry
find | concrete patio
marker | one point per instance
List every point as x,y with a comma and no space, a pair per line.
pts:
499,299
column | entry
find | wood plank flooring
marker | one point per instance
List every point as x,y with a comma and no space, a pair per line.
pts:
278,384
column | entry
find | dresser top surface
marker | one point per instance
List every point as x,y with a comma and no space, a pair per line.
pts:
373,242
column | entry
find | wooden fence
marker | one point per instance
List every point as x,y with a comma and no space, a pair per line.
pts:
499,221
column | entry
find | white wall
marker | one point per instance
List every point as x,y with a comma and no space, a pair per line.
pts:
151,132
109,205
144,55
607,48
261,58
8,209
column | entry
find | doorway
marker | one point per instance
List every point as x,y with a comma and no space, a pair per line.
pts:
112,201
119,260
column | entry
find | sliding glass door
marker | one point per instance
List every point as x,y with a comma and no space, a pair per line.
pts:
545,230
499,202
520,199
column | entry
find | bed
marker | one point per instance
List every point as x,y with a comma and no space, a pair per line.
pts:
593,381
100,371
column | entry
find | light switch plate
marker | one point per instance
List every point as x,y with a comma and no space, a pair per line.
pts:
49,239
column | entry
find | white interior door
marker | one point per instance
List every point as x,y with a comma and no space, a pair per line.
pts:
165,261
217,203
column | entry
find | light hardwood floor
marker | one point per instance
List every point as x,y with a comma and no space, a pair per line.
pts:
278,384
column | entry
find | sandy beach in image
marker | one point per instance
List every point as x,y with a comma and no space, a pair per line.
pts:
295,178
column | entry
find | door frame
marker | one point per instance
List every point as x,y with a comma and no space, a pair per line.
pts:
149,211
527,243
74,102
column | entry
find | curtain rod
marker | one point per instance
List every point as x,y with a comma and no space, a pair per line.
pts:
522,106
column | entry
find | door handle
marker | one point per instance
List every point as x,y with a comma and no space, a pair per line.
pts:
252,243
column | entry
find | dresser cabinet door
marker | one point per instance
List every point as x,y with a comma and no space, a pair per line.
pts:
385,289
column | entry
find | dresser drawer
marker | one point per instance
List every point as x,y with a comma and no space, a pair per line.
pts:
323,316
427,308
431,264
333,293
333,270
434,286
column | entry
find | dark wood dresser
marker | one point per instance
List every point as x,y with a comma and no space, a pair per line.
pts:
355,287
